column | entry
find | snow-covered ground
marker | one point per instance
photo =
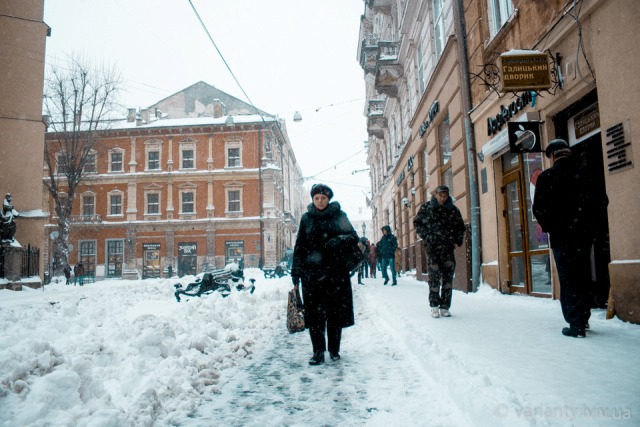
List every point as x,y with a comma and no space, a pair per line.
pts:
125,353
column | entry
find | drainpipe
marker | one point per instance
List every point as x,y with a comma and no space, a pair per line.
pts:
474,200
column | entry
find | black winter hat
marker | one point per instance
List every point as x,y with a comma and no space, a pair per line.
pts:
442,189
321,189
556,145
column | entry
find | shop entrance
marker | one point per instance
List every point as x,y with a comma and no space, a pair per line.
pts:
187,259
528,247
580,126
115,257
150,260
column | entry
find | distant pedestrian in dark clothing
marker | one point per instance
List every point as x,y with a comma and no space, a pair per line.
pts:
373,260
67,273
78,272
439,224
566,206
387,252
326,284
363,268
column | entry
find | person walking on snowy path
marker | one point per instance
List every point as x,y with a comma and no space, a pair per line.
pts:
566,206
439,224
387,252
324,233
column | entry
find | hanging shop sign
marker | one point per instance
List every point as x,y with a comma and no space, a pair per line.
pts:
618,147
584,124
433,111
522,70
400,178
524,137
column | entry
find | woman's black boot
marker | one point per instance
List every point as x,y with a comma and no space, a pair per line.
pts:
334,355
317,358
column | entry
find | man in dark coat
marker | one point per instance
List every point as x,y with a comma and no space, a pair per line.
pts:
439,224
318,262
387,252
566,205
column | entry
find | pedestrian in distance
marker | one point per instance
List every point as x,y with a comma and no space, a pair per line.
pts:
387,251
67,273
323,234
79,272
363,244
373,260
566,206
439,224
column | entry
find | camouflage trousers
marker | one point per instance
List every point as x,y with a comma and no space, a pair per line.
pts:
441,267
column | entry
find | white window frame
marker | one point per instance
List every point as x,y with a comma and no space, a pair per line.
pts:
188,145
109,203
95,163
152,145
232,144
193,201
146,202
83,205
156,162
228,192
121,152
438,27
499,13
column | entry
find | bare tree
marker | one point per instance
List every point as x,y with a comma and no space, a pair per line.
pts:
80,101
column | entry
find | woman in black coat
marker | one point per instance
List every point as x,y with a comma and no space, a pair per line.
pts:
326,285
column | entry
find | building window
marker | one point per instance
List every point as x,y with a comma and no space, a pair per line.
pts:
233,157
438,26
444,146
153,160
233,201
90,163
188,159
88,205
187,204
153,203
115,163
61,163
499,13
115,204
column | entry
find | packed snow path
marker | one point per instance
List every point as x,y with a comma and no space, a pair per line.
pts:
376,382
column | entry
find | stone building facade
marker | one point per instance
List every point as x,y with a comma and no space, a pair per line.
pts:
22,49
438,113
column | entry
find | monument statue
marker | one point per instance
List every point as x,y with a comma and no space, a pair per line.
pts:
7,220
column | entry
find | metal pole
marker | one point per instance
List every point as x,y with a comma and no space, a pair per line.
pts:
260,197
474,200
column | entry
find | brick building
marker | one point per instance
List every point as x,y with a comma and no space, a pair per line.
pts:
196,181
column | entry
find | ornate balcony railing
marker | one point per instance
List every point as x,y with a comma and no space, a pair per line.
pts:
85,219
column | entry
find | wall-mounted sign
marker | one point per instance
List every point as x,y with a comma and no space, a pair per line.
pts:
187,249
410,162
151,246
400,178
522,70
433,111
494,124
524,137
617,147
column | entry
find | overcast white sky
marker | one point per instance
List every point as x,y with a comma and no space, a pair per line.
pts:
288,55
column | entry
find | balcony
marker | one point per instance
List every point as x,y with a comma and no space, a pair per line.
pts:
388,70
85,219
369,53
380,6
376,125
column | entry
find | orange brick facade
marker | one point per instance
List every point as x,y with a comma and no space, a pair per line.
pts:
184,195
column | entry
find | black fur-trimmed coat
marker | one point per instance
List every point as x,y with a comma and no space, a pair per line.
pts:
326,283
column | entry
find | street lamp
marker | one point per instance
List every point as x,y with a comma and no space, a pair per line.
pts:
364,228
